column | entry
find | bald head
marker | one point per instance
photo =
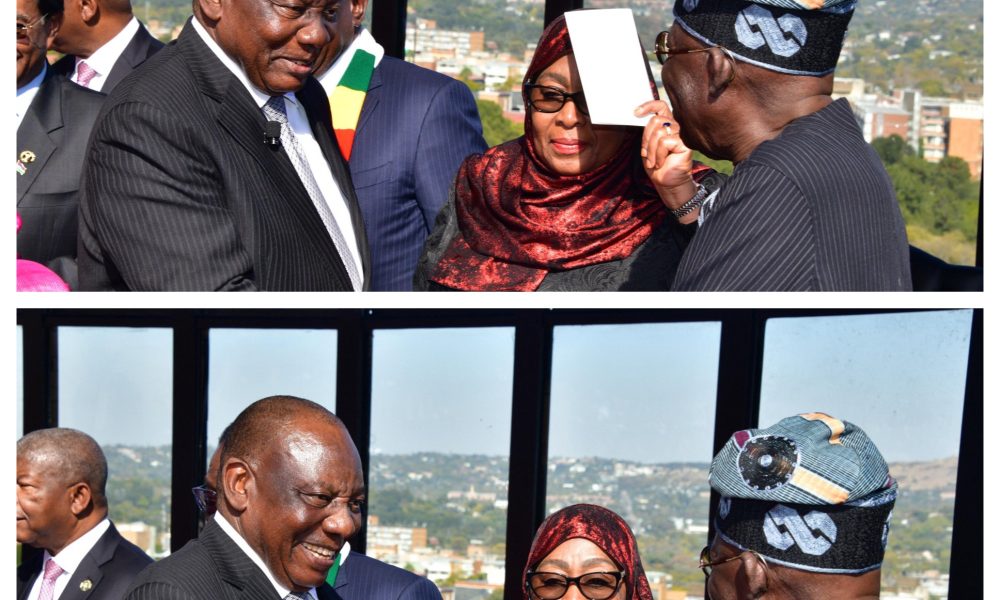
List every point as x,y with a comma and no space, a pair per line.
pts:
266,422
68,456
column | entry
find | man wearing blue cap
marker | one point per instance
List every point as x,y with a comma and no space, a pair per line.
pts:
804,513
809,205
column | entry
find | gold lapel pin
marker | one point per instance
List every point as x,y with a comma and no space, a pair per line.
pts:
85,585
27,156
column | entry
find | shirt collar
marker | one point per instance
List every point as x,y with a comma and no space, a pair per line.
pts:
69,558
103,60
26,94
259,97
245,547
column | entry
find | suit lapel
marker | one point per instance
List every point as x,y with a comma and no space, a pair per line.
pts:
91,566
317,108
372,97
240,117
235,568
134,54
44,116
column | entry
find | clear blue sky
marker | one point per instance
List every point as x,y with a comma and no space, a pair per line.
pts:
637,392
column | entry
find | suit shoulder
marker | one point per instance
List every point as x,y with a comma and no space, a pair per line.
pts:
130,556
366,566
394,69
190,563
78,98
164,77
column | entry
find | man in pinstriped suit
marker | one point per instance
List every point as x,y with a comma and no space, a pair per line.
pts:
809,205
187,186
290,492
412,129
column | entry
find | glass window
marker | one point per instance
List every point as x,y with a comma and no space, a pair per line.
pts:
115,384
631,428
20,382
483,43
440,453
901,378
290,362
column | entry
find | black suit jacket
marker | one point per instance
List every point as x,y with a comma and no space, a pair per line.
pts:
55,130
210,567
111,566
142,46
181,193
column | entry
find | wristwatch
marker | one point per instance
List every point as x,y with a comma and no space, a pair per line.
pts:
692,204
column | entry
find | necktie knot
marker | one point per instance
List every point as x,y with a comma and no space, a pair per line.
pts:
84,74
52,570
298,596
275,109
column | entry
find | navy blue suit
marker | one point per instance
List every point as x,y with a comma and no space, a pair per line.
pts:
415,128
110,567
364,578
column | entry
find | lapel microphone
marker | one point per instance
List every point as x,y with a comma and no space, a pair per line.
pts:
272,133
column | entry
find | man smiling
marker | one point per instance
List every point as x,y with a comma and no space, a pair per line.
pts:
214,166
290,493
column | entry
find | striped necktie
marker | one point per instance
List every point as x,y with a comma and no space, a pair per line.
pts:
84,74
274,110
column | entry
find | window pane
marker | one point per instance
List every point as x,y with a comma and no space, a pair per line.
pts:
484,43
440,450
631,428
245,365
20,382
901,378
115,384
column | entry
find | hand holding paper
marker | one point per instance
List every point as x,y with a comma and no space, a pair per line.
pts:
612,64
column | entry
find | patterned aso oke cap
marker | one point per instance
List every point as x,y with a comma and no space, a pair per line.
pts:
811,492
798,37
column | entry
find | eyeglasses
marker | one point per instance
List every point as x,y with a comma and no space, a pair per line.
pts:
663,52
547,99
206,498
599,585
705,562
24,28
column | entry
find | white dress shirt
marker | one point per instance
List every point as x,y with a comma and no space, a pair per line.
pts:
26,95
106,56
299,123
69,559
245,547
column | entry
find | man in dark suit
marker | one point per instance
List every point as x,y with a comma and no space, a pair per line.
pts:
411,129
290,493
102,42
189,186
356,576
55,118
62,508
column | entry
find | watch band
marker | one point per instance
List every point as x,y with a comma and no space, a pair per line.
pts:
692,204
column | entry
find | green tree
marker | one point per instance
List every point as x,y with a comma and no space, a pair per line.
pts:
497,129
892,149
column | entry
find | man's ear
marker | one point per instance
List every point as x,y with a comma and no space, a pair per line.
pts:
358,8
80,499
721,72
211,9
752,577
237,480
89,10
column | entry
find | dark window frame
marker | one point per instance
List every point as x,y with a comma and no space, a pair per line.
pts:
737,402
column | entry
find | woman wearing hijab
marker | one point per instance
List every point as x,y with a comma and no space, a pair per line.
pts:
587,546
569,205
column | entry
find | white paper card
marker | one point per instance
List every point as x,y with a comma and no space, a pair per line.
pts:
612,64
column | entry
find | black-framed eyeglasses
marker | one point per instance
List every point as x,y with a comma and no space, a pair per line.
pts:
24,28
663,52
599,585
705,562
206,498
547,99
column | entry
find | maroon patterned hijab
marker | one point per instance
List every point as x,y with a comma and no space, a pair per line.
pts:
601,526
518,220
